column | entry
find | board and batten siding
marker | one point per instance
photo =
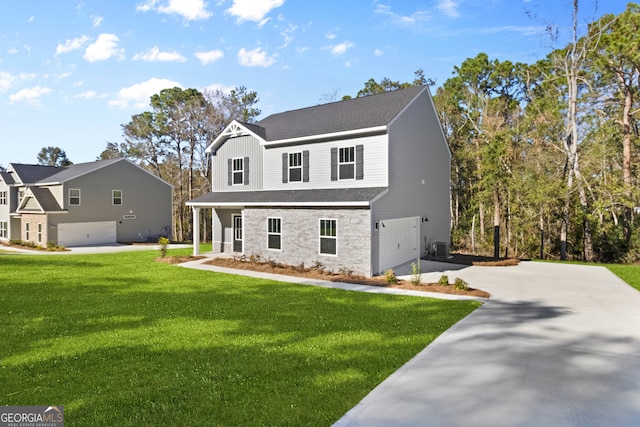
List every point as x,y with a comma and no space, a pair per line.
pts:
375,164
419,174
238,147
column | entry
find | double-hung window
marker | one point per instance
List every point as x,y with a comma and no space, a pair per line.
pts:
347,163
74,196
3,197
39,233
116,197
26,231
274,233
329,236
3,229
238,171
295,167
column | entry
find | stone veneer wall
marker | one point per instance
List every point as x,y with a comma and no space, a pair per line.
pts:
301,237
33,220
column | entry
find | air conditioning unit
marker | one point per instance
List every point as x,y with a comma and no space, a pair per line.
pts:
442,249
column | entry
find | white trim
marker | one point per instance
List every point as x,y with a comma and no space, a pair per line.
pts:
328,136
113,197
69,197
233,170
353,163
233,129
289,167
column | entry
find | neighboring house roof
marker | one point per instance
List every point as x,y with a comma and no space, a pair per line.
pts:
357,113
43,197
317,197
77,170
30,174
7,178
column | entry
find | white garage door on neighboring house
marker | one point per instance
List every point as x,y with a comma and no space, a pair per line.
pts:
86,233
399,241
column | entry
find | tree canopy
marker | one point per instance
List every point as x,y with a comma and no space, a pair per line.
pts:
53,156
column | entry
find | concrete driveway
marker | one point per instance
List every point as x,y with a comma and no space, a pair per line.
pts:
557,345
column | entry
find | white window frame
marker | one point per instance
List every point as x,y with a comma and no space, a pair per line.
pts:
347,159
39,229
270,221
114,197
321,236
20,195
295,158
4,231
237,172
3,197
26,231
74,197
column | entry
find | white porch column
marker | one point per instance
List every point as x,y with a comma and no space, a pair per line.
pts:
196,231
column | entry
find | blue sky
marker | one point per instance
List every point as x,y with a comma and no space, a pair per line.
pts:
72,72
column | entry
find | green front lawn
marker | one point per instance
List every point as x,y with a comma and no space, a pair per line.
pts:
121,340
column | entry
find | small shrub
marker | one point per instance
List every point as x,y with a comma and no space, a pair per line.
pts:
444,280
164,246
416,273
390,277
461,285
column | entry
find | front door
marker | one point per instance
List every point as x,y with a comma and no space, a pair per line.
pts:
237,233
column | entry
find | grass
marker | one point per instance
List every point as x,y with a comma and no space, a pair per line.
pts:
119,339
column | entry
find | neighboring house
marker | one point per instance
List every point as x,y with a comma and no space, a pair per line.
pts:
99,202
360,185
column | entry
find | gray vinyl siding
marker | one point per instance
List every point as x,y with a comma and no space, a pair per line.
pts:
222,228
239,147
375,164
143,195
419,174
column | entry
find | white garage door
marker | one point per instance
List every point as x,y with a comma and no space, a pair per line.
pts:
399,241
86,233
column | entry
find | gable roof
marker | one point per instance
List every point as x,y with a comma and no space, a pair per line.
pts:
76,170
351,114
371,113
43,197
30,174
7,178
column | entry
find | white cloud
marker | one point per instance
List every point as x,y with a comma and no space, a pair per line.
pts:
341,48
287,33
88,94
72,44
378,52
7,79
415,18
330,36
31,19
154,55
104,48
255,57
97,20
138,95
209,57
449,8
12,51
191,10
29,95
253,10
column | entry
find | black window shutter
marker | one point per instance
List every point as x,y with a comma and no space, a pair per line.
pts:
305,166
285,168
359,162
334,164
246,171
229,172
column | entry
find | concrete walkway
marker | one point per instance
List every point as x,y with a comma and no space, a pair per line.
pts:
556,345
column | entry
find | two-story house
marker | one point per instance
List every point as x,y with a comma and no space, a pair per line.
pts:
361,184
106,201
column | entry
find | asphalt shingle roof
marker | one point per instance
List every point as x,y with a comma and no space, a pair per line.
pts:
79,169
320,196
30,174
357,113
45,199
7,178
